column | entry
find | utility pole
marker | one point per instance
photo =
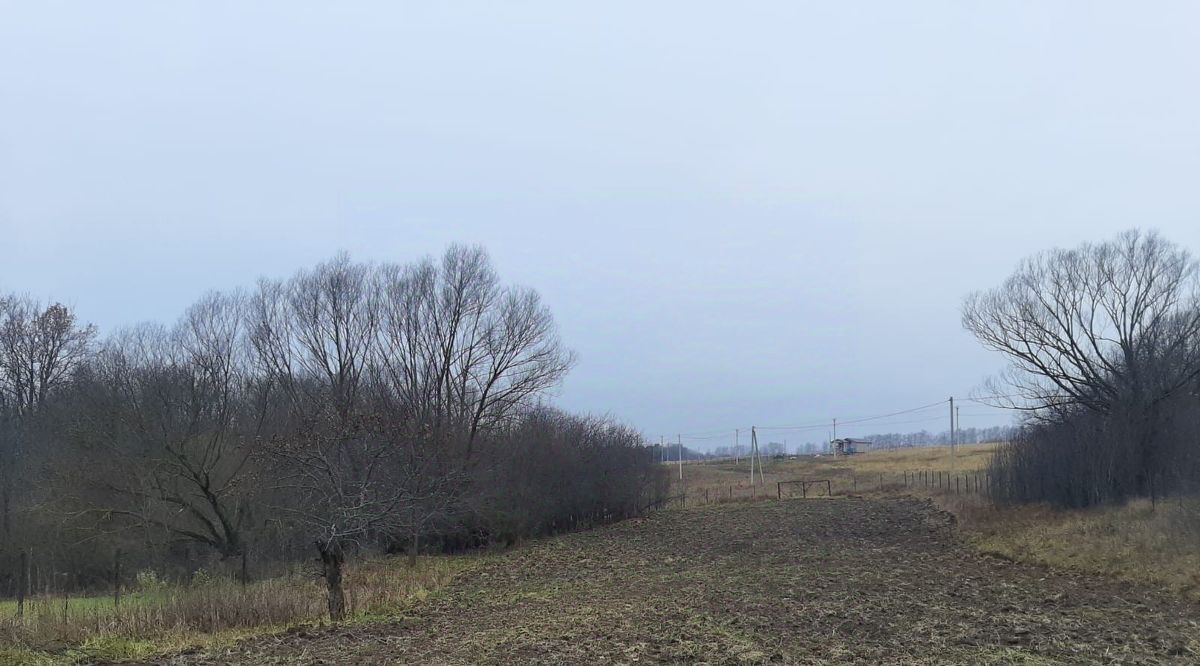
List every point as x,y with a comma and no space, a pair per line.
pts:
754,453
758,452
662,448
737,444
835,427
953,459
753,445
751,455
679,441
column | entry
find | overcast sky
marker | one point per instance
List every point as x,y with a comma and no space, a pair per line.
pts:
741,213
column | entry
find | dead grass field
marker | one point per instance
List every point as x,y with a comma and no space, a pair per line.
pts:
845,580
847,474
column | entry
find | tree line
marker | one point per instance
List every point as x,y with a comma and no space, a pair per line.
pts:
1103,345
971,435
350,407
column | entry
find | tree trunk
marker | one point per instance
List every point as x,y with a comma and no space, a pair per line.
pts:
332,559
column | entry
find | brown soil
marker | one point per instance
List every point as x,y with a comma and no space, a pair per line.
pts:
868,581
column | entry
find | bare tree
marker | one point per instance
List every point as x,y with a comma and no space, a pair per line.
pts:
312,337
1085,326
40,349
392,374
462,357
357,406
1111,328
465,353
164,426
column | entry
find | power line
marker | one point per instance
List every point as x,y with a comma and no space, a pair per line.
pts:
709,435
826,422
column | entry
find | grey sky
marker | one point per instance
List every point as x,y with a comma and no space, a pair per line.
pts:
739,212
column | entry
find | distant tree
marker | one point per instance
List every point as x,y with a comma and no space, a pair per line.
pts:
164,421
391,376
40,349
312,337
463,352
1109,329
1102,325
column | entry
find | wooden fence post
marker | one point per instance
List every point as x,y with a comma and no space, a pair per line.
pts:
778,490
881,482
117,579
828,488
22,582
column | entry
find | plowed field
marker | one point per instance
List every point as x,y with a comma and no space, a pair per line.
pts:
846,580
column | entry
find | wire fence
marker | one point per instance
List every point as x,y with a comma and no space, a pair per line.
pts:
966,483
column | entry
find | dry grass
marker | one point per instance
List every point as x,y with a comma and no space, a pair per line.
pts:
1157,545
64,630
858,474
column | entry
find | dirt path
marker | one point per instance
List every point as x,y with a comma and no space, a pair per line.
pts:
794,582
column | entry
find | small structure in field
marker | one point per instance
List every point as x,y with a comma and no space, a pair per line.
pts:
849,446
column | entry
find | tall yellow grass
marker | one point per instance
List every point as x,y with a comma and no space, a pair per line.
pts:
860,474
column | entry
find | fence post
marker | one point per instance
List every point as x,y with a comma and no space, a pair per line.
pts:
881,482
117,579
955,484
828,488
245,569
778,490
804,489
22,582
706,495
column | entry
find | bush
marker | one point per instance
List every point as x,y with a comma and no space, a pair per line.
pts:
1083,458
